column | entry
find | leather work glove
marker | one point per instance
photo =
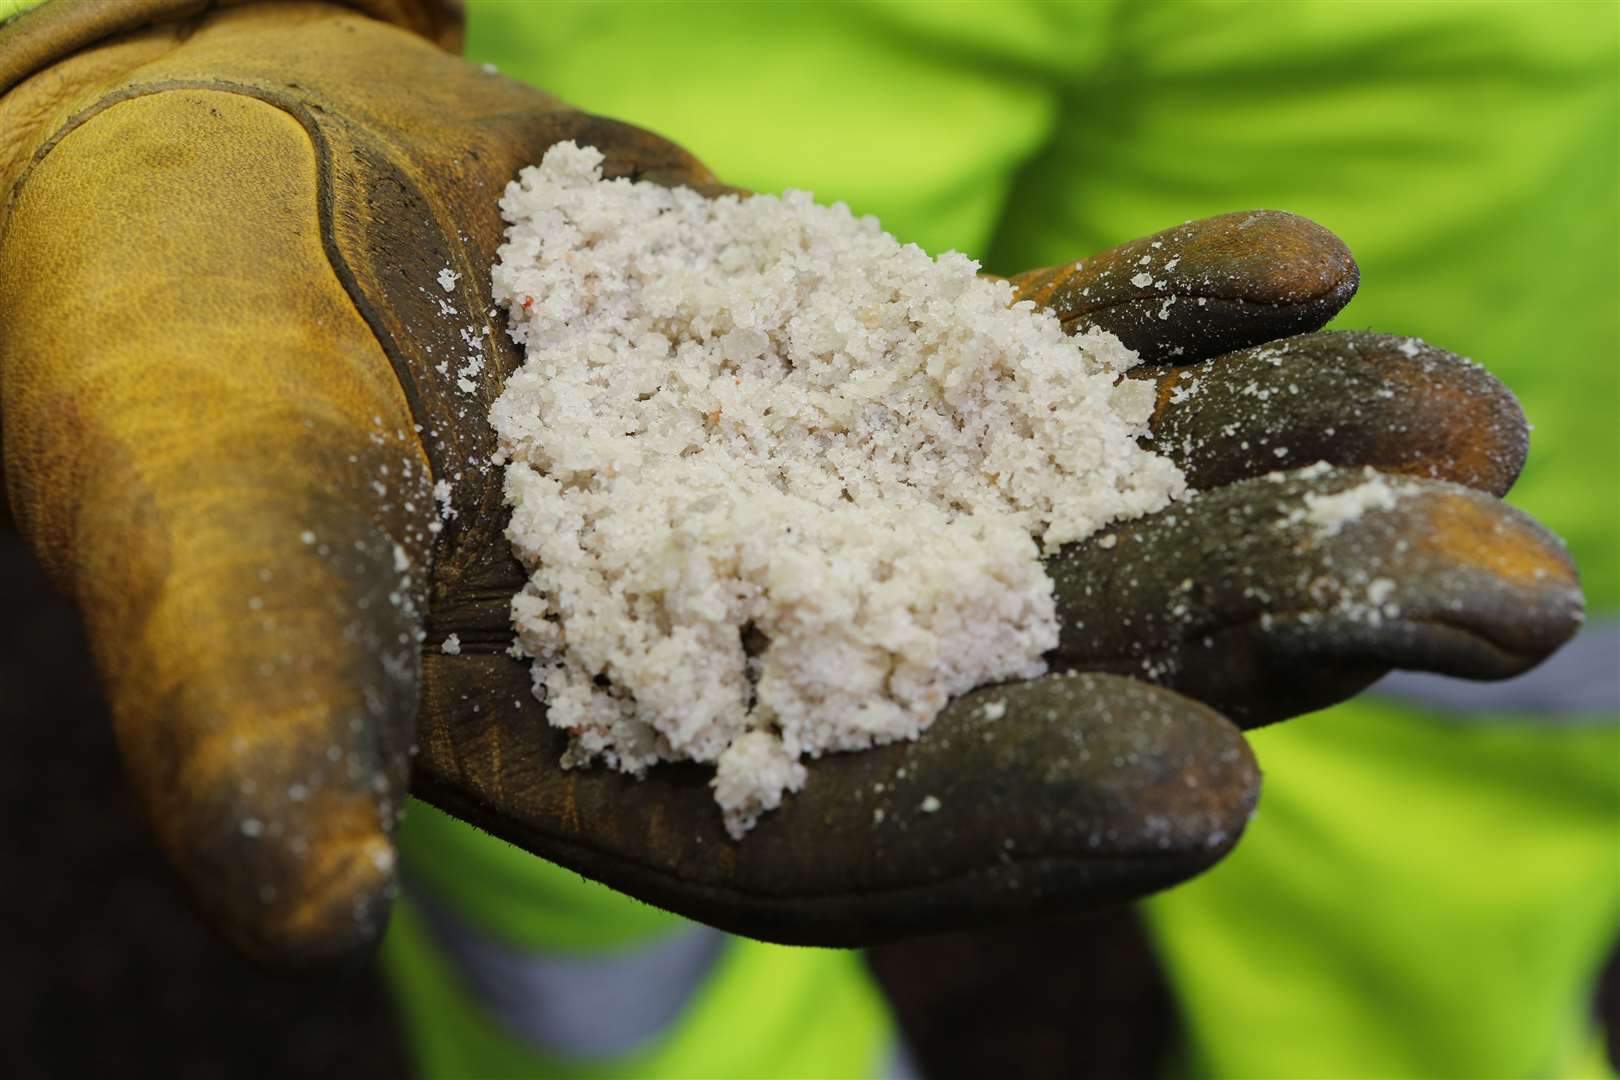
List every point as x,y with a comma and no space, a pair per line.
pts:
232,382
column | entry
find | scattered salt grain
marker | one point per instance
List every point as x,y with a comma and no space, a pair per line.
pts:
1380,590
442,491
775,476
1330,513
930,805
451,646
448,279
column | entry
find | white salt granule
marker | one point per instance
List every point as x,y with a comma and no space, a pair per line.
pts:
451,645
775,476
442,493
1330,513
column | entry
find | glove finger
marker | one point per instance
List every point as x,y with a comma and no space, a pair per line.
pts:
1280,595
1062,793
1344,397
1204,288
258,652
223,476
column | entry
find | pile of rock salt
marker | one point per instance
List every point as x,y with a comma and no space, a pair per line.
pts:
782,483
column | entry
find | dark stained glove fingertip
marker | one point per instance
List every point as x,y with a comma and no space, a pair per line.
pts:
1345,397
1206,287
1280,595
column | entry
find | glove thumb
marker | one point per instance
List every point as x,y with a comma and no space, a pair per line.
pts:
209,451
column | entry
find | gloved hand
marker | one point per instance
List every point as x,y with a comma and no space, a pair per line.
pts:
232,379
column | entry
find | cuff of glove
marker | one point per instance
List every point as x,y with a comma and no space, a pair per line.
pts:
56,29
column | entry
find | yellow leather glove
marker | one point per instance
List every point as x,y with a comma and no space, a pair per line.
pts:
226,403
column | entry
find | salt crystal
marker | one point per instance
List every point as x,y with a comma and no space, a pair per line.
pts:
451,646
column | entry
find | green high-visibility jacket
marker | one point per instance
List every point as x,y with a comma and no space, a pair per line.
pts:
1423,893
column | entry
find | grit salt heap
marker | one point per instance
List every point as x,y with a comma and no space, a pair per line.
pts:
782,483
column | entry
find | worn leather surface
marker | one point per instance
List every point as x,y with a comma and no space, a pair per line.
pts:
58,29
230,378
1206,287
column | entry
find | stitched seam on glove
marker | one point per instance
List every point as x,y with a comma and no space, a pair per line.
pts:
56,29
323,156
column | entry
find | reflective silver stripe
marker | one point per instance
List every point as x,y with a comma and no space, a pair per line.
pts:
898,1063
572,1006
1578,685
